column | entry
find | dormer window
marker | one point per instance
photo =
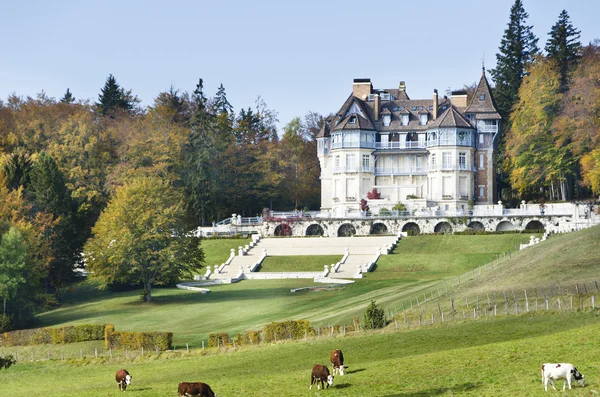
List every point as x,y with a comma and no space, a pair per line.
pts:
482,97
404,120
423,119
387,120
352,120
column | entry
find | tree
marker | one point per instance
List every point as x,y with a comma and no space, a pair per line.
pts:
140,238
533,159
518,49
564,46
13,255
220,104
68,97
114,98
374,316
171,106
15,168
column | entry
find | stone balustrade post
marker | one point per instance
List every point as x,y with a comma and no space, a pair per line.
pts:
240,251
217,269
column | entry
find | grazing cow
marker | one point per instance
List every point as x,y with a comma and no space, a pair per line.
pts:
123,379
195,389
551,372
320,374
337,360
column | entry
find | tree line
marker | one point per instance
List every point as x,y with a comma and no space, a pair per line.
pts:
118,182
549,148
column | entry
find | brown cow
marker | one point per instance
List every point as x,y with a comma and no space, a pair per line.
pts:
320,374
337,360
195,389
123,379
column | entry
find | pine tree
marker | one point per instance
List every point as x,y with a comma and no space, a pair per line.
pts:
517,50
564,46
221,104
68,97
113,97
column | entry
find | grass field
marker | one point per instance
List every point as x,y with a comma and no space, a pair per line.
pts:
249,305
313,263
482,358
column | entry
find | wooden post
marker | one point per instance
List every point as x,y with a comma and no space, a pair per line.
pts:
345,329
442,316
559,303
96,352
526,301
495,313
452,304
418,304
593,301
187,347
142,351
202,344
547,306
432,318
571,303
577,288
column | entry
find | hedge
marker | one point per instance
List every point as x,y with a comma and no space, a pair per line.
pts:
220,339
55,336
136,340
292,329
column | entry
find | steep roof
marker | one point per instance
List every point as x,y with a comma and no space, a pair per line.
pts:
485,105
451,118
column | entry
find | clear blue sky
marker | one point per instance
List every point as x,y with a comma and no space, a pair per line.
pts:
298,56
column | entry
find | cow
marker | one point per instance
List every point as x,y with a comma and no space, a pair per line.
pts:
123,379
320,374
551,372
195,389
337,361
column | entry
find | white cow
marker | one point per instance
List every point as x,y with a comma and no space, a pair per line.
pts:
551,372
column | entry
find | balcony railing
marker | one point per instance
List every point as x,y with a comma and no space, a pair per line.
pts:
487,128
344,145
450,142
381,171
400,145
337,170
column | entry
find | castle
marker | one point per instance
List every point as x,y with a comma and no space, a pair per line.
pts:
425,153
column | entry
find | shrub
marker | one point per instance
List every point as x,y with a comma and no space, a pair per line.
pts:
137,340
6,323
399,207
374,195
374,317
294,329
385,212
6,361
67,334
411,197
220,339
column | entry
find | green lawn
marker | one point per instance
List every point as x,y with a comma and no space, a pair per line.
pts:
483,358
217,250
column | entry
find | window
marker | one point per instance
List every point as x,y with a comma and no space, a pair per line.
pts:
351,163
405,119
386,120
336,164
423,119
481,161
446,160
433,166
481,138
481,191
366,162
352,120
419,162
413,108
462,161
482,97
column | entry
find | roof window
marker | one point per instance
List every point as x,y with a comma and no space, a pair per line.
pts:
482,97
413,108
352,120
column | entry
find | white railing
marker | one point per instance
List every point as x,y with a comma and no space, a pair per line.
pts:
487,128
400,171
401,145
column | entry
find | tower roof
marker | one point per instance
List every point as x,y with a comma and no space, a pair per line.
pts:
482,101
451,118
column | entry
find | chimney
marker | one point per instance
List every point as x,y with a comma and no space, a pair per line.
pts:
435,104
459,99
402,87
377,107
361,88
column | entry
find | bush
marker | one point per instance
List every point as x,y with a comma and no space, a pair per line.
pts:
411,197
385,212
294,329
6,323
374,317
68,334
7,361
399,207
374,195
215,340
137,340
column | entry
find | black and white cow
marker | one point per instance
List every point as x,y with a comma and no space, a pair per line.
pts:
320,375
566,371
123,379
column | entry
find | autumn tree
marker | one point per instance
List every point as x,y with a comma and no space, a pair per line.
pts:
533,159
564,47
140,238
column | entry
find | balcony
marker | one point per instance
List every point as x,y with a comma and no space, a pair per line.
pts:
337,170
388,171
487,128
352,145
400,145
450,142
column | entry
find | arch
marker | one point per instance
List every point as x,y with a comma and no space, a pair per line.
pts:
346,230
475,225
535,225
283,230
411,228
314,230
379,228
443,227
505,226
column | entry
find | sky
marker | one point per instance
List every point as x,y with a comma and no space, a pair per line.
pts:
297,56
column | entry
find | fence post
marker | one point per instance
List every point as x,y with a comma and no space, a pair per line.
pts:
142,351
396,323
187,347
547,306
442,316
477,302
593,302
559,303
439,308
202,344
417,298
596,282
526,301
495,313
110,352
571,303
96,352
474,313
